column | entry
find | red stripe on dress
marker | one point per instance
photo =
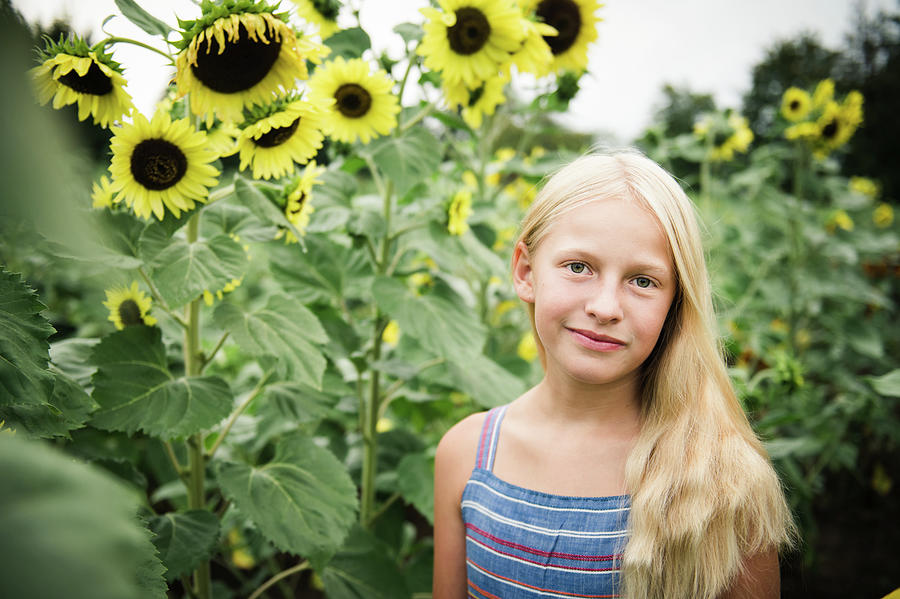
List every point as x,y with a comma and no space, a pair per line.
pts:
484,441
533,551
541,564
480,590
534,588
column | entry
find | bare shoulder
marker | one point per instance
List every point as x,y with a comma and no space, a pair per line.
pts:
457,448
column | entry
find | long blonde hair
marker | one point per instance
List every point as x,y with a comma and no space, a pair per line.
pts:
703,492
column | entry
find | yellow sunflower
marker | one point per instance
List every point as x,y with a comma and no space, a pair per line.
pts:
534,55
795,104
298,206
72,73
128,306
361,104
239,54
161,164
223,138
477,102
102,193
469,41
321,13
823,94
575,22
459,212
836,127
280,134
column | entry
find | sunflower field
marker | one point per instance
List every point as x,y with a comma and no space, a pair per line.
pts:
229,349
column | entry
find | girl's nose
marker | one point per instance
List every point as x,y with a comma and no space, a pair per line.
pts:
604,303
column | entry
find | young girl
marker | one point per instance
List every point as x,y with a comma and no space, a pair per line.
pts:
630,470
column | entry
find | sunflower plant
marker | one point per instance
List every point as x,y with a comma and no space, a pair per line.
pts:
304,275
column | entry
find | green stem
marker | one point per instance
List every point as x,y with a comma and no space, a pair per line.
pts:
383,508
197,461
706,177
234,416
795,257
125,40
418,118
159,300
281,575
212,354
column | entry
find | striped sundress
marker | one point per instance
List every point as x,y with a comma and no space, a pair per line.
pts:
527,544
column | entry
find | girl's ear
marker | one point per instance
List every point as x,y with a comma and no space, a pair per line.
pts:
523,274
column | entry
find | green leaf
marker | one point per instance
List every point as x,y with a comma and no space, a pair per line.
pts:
24,351
260,205
415,481
408,158
348,43
72,358
798,447
140,17
285,329
442,325
184,540
326,272
363,570
112,240
182,270
69,408
887,384
299,403
488,383
70,530
410,32
136,391
303,500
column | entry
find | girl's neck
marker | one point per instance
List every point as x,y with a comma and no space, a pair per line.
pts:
615,407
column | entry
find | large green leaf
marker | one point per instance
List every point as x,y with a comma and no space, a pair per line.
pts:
261,206
408,158
70,530
283,328
487,382
69,408
136,391
182,270
442,325
348,43
303,500
24,351
140,17
363,570
112,240
887,384
415,481
184,540
327,271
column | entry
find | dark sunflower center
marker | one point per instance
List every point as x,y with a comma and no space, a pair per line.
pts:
276,135
564,16
830,130
130,313
158,164
94,82
241,65
795,105
475,95
470,32
353,100
296,210
327,8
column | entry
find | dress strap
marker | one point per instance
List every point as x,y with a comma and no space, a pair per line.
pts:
487,444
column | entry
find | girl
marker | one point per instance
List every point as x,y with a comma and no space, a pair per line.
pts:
630,470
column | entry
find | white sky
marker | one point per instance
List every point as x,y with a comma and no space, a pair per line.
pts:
709,46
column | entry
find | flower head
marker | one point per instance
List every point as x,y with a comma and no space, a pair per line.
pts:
527,348
72,73
883,216
839,219
727,134
477,102
128,306
795,104
823,123
161,164
360,102
575,22
534,54
471,41
298,203
280,134
459,212
239,53
321,13
865,186
102,193
391,333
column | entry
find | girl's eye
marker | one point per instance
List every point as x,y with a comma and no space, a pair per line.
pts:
643,282
576,267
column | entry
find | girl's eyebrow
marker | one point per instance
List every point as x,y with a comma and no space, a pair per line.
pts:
642,265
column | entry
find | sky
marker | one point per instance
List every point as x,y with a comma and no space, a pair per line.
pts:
707,46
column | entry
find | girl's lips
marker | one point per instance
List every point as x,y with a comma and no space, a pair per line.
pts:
596,341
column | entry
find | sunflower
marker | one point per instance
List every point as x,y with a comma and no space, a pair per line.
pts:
102,193
823,94
298,205
161,164
575,22
534,55
223,138
477,102
280,134
321,13
128,306
238,54
72,73
527,348
459,212
726,133
469,41
361,103
795,104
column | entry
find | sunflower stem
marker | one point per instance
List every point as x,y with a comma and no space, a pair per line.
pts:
418,118
220,193
126,40
212,354
800,161
278,577
159,300
197,461
234,416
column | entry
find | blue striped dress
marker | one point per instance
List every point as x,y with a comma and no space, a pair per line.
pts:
527,544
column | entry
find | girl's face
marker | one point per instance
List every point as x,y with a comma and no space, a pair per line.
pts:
601,281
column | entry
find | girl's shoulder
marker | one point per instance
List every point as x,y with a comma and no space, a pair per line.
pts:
460,443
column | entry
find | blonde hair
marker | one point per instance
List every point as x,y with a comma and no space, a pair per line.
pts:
703,492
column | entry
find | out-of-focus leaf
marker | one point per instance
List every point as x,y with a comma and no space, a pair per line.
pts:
363,570
184,540
415,480
140,17
348,43
408,158
887,384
